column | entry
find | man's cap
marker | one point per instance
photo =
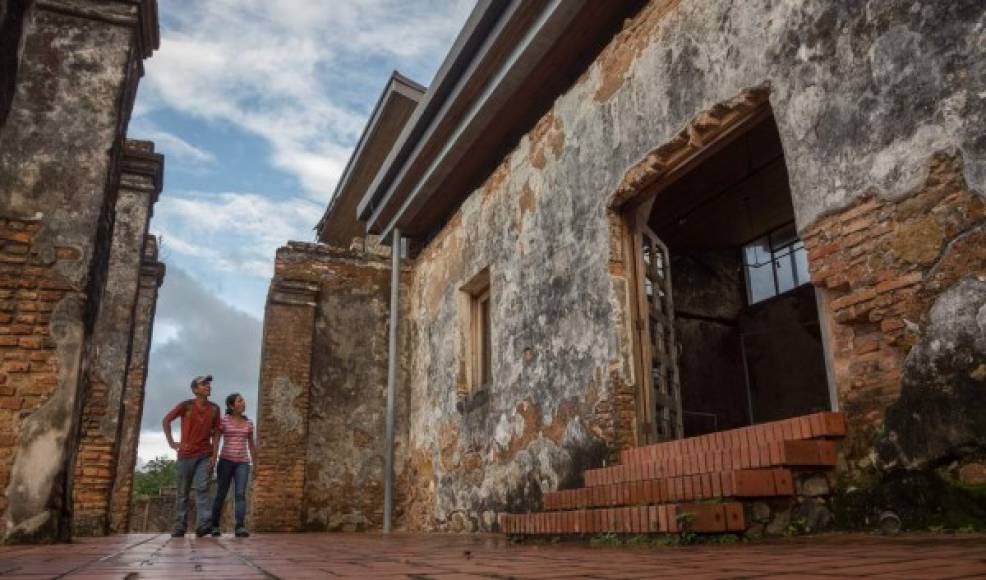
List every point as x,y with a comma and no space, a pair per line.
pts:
201,379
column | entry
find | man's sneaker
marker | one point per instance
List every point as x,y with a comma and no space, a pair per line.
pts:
178,534
201,532
242,533
216,532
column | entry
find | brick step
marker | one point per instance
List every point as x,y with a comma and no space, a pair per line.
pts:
815,426
736,483
785,453
668,518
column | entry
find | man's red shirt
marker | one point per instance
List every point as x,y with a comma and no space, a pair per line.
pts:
197,426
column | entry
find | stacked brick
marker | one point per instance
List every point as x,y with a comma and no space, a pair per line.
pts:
151,276
285,384
881,264
649,490
105,384
29,290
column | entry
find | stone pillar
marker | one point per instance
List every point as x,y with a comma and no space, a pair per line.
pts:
96,459
77,72
282,419
151,276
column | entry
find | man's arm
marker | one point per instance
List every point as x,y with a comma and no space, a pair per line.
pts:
166,425
217,427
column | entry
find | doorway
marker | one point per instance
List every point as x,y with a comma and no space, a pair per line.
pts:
728,326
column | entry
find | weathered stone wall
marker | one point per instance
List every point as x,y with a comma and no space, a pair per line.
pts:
276,503
342,454
864,94
103,390
60,144
883,264
151,277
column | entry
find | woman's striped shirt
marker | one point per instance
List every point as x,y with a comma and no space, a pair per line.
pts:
236,437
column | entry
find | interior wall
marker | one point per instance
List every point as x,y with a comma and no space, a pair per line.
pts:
783,344
708,291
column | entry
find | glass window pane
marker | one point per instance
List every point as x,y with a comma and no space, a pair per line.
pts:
801,264
760,280
784,268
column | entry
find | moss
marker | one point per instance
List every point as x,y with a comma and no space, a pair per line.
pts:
921,499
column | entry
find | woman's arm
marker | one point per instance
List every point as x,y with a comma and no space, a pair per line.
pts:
253,448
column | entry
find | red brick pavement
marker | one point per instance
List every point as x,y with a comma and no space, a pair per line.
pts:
456,556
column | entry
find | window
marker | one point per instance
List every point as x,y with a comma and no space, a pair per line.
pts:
774,264
479,348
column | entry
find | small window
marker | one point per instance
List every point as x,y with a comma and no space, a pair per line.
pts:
774,264
479,349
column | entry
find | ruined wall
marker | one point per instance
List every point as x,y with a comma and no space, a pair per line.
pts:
76,78
865,94
342,453
103,387
151,278
276,503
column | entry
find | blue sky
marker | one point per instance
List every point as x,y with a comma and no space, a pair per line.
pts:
256,105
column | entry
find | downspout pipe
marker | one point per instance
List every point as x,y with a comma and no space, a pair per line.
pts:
388,458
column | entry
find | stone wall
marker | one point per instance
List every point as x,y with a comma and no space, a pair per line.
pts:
880,109
865,95
345,313
103,390
151,277
60,151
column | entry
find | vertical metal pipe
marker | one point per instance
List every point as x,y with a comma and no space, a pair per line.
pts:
388,458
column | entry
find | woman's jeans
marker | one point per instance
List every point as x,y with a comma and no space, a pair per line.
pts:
239,473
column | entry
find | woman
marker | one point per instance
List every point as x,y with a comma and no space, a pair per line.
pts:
234,463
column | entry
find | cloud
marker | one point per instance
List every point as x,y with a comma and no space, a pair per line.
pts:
205,335
302,75
174,147
236,232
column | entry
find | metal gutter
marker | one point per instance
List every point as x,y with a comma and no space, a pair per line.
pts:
477,27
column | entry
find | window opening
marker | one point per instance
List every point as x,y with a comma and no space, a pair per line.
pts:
774,264
480,331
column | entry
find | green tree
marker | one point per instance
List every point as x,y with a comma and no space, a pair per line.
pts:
157,473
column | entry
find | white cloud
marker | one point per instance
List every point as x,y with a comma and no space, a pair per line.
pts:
175,147
295,72
236,232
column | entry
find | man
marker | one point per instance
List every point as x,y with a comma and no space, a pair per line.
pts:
200,425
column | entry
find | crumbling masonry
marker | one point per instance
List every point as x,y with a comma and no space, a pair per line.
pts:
78,271
556,187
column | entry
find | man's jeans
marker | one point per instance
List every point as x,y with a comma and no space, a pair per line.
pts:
193,472
239,473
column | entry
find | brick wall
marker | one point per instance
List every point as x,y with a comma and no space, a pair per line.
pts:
881,264
29,290
151,277
103,391
282,417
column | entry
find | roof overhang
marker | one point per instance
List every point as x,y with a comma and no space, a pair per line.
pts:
509,63
394,107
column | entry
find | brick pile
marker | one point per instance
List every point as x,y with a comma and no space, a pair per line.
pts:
648,490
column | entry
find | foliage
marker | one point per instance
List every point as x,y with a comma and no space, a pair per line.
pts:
157,473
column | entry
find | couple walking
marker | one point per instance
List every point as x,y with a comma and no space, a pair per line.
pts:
202,427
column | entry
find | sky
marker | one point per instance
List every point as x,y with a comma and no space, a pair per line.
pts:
256,106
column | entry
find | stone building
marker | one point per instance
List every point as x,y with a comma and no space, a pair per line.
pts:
737,228
79,272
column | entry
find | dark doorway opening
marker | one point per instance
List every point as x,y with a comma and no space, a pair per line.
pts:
749,343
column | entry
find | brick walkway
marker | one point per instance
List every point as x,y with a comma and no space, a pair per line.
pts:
454,556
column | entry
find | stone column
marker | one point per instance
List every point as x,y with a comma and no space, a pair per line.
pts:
151,276
95,464
78,64
282,420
